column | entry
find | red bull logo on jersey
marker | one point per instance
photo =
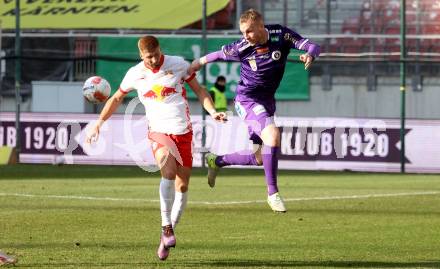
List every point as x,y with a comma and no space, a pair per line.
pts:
159,93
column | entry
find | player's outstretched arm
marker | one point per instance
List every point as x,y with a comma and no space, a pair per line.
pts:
206,101
197,64
311,50
109,108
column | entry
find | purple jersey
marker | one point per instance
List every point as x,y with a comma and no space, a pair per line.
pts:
262,66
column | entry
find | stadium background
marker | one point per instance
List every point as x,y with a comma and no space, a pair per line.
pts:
356,77
106,216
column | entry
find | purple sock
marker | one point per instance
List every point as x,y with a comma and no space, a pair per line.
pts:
236,158
270,164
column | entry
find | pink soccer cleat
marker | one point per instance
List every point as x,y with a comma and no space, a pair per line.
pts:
167,241
162,251
167,237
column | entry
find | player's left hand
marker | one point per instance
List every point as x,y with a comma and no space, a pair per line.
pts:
93,134
306,59
195,66
220,116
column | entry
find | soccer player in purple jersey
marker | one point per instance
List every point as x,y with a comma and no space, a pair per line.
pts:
262,51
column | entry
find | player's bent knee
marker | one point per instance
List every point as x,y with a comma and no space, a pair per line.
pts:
168,174
271,136
258,157
272,142
259,161
182,188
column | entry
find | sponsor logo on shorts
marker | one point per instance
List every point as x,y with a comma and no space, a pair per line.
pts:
258,109
240,110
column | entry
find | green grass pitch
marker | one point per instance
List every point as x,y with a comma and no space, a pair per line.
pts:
108,217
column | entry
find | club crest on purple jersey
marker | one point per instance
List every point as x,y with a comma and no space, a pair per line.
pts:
276,55
253,63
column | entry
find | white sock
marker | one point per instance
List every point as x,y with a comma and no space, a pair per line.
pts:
166,194
179,205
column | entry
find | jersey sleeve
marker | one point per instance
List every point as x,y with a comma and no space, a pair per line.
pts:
230,52
127,84
292,37
187,77
298,42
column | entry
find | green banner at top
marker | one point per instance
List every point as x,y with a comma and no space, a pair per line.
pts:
105,14
294,86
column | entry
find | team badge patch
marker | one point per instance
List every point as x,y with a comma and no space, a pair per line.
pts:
276,55
253,64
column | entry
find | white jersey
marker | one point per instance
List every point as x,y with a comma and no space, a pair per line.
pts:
162,93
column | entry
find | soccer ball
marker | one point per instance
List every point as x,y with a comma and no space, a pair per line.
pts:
96,89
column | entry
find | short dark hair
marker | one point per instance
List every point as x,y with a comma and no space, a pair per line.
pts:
148,43
251,15
220,78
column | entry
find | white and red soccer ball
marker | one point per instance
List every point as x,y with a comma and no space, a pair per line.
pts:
96,89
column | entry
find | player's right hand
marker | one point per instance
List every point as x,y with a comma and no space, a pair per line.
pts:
93,135
220,116
307,59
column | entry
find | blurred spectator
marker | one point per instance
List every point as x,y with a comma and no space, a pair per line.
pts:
218,94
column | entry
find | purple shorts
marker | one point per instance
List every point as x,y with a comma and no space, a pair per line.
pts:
257,116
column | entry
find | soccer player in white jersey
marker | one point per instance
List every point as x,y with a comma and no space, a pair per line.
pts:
158,80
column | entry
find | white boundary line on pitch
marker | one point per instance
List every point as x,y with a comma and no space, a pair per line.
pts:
362,196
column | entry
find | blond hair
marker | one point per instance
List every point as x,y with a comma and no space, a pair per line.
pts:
148,43
251,15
